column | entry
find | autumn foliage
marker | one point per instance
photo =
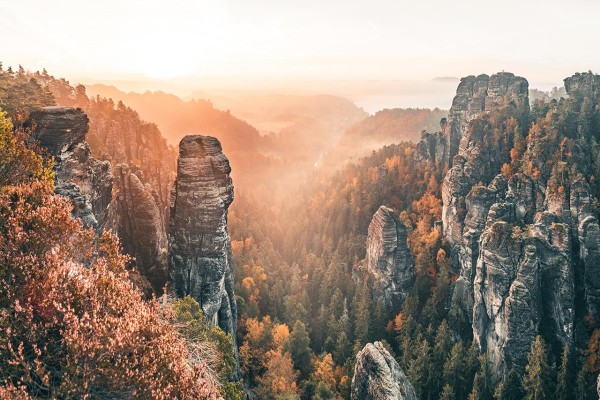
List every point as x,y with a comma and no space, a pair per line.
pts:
72,325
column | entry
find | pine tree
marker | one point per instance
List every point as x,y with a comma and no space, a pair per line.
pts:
298,347
441,349
482,384
342,349
455,369
362,330
447,393
537,381
564,389
511,388
419,368
581,384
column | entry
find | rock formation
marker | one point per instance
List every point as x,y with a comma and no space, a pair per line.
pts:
517,243
433,147
388,259
200,250
86,181
478,95
476,155
377,376
140,227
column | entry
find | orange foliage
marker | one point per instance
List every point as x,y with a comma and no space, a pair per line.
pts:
281,333
72,325
280,378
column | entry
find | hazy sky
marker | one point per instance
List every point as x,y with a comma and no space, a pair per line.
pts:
543,40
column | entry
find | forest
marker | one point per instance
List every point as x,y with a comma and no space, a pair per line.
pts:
75,321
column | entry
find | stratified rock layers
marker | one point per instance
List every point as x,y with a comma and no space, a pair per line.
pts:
389,259
200,249
377,376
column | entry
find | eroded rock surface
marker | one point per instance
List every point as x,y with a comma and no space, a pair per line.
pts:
140,227
377,376
86,181
200,249
389,259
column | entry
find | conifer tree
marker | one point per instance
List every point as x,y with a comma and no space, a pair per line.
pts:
419,369
482,384
537,380
447,393
511,388
564,390
298,347
455,369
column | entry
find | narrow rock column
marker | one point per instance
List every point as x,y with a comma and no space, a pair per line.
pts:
200,249
389,259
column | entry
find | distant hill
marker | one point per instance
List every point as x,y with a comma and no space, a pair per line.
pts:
389,126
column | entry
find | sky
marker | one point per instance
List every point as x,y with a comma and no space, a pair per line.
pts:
237,42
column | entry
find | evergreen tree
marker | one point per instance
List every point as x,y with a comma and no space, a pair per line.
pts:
455,370
537,380
511,388
447,393
419,368
482,384
441,349
581,385
564,390
363,312
298,347
342,349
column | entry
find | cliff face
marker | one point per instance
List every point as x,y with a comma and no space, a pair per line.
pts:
475,150
389,259
141,227
517,244
481,94
86,181
200,250
377,376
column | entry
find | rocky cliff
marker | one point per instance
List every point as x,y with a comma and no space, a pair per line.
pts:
518,239
200,250
388,259
86,181
377,376
141,227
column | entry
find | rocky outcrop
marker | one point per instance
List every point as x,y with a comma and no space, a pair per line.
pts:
583,84
475,152
588,233
377,376
388,259
478,95
86,181
518,243
433,148
200,249
140,227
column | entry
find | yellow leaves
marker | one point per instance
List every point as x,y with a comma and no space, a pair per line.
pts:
390,163
324,371
280,378
281,333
